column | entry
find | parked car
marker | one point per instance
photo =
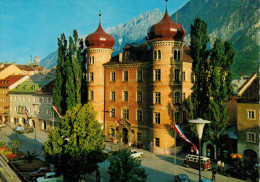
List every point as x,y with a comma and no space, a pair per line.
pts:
193,161
19,129
28,130
52,176
182,178
241,173
136,154
41,172
2,125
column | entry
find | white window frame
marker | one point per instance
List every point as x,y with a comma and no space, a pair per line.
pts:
113,109
248,138
138,112
139,77
124,78
139,96
91,76
157,97
125,96
157,118
251,114
112,76
157,75
125,112
91,95
112,95
184,77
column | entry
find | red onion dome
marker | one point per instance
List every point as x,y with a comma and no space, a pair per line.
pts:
100,39
166,29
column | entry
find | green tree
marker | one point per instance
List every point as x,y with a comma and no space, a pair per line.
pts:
75,146
124,168
200,66
16,143
71,71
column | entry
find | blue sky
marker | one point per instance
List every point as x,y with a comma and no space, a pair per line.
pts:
31,27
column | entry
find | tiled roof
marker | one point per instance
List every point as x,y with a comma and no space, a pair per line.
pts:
23,67
10,80
28,87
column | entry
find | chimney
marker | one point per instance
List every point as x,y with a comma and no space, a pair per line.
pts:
120,57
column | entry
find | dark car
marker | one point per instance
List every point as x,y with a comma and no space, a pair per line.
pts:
241,173
41,172
182,178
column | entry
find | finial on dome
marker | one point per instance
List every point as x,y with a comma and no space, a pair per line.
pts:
99,16
166,6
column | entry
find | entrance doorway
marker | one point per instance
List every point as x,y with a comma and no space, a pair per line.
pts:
125,136
250,157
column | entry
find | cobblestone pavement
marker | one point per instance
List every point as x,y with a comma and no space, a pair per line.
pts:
160,168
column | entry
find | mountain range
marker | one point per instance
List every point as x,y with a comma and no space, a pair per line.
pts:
233,20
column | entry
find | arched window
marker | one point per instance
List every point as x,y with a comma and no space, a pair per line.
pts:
175,54
90,60
93,60
179,54
159,54
154,54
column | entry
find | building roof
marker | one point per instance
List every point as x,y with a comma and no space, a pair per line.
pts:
22,67
28,87
8,81
249,91
46,89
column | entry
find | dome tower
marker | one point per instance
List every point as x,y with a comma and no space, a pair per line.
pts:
99,51
166,43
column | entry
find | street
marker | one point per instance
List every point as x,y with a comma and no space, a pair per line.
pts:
158,167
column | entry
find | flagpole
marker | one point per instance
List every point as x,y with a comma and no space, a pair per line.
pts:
174,156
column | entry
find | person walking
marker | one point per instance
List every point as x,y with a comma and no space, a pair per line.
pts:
213,175
219,164
222,166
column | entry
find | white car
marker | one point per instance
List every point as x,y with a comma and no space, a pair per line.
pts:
52,177
19,129
2,125
136,154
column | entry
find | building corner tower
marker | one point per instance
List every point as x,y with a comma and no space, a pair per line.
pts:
99,51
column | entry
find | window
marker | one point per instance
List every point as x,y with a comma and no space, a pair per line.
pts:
177,75
154,54
112,130
91,76
157,75
49,100
25,87
177,97
139,75
183,76
139,115
125,113
125,76
93,60
112,113
157,142
91,95
139,137
113,96
45,100
177,117
250,114
157,99
177,54
157,118
90,60
139,96
125,96
33,87
183,96
251,137
159,54
112,76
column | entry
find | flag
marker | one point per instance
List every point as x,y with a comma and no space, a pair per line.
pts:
55,108
181,134
26,112
117,122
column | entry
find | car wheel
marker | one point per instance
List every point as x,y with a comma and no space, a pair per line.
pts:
187,165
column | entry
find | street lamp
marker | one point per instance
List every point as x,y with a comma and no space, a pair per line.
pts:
200,123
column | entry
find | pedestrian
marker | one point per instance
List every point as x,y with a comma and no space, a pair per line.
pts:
219,164
222,166
213,175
